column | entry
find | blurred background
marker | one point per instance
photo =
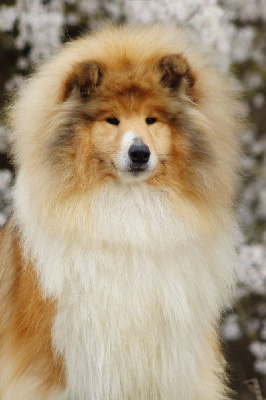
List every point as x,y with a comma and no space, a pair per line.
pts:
234,33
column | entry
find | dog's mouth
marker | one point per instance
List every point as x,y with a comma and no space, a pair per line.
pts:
133,171
136,168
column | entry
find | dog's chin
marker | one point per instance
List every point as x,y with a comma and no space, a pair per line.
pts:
134,177
133,174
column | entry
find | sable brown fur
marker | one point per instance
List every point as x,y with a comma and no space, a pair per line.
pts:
25,320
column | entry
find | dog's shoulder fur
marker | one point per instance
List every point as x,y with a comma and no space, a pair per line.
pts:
28,366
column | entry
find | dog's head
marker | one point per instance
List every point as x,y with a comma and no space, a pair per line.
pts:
130,121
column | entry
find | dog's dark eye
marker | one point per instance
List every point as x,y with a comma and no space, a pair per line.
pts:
113,121
150,120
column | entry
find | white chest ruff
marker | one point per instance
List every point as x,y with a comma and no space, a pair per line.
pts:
133,305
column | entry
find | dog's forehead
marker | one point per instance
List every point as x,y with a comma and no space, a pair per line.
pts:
128,98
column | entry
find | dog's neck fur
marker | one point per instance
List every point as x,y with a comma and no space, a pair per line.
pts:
134,303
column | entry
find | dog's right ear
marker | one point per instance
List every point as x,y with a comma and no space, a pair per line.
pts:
85,77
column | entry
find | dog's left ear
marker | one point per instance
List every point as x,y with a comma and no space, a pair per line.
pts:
84,78
175,71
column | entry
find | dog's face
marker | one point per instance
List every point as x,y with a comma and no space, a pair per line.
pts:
130,123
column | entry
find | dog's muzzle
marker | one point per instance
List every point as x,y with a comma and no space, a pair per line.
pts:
135,160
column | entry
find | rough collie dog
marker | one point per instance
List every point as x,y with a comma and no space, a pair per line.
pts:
120,254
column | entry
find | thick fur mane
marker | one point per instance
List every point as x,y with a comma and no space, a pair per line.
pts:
139,248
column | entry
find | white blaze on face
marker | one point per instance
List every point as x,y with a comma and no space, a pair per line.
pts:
123,159
124,163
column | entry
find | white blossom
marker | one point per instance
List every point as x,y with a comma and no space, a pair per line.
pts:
252,271
230,328
8,16
39,25
258,100
3,219
258,349
5,179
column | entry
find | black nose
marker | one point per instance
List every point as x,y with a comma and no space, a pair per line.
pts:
139,154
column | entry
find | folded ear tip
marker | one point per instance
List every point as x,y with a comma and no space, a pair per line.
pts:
85,76
175,62
173,68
